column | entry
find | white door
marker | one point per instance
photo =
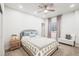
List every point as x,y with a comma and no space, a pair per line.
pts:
0,34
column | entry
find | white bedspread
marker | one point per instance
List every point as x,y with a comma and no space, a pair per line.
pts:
39,41
41,44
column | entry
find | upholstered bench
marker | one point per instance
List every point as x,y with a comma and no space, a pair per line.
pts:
68,39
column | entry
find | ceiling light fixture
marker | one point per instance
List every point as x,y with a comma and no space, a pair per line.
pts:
72,5
45,11
20,6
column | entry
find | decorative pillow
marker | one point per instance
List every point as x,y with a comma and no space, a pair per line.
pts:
25,37
68,36
26,34
33,34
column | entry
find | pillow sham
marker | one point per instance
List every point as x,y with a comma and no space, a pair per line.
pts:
68,36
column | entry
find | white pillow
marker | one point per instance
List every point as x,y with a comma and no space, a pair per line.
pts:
25,37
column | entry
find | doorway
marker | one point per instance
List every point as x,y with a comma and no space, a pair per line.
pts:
43,29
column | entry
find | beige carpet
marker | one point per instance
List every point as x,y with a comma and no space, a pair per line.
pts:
63,50
17,52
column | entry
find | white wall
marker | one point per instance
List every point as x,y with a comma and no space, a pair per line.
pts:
68,24
77,26
0,35
16,21
1,31
77,21
46,27
1,38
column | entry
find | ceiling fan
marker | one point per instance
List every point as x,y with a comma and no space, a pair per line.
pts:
46,7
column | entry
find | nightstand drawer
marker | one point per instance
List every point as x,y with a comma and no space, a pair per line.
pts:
14,42
17,44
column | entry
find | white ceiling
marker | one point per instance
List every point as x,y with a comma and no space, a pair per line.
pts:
31,8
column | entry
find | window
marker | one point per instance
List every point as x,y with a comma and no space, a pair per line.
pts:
53,26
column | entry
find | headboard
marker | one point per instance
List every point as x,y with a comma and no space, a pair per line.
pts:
28,33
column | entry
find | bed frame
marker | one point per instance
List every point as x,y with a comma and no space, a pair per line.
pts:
25,32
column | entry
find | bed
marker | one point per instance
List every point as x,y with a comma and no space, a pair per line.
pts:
38,46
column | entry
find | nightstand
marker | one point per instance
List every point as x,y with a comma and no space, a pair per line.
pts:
14,43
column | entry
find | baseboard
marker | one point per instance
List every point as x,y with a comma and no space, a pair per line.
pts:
6,50
76,44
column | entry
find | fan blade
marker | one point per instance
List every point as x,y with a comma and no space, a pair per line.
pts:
50,7
52,10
